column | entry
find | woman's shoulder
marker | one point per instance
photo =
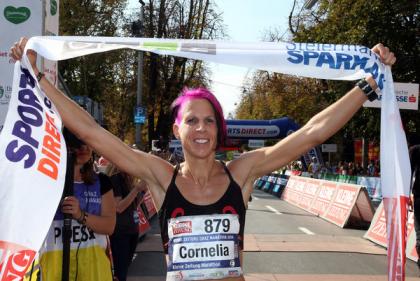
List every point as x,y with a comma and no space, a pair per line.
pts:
104,182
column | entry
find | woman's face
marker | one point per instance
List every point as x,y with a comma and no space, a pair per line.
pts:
83,154
198,128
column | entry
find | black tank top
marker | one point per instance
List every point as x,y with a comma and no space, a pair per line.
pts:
175,205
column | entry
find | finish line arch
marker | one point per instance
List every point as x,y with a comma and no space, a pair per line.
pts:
260,129
239,131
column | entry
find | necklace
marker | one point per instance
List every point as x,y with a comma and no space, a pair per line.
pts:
196,181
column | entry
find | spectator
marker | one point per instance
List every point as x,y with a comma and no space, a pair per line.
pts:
371,169
350,169
93,211
326,169
126,233
314,167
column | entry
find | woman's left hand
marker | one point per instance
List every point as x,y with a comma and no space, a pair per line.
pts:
387,57
71,206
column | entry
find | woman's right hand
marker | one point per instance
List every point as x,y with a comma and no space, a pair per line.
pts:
17,52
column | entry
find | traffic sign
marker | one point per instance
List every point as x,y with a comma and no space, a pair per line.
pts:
139,115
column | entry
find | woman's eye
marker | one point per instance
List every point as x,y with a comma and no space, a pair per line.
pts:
210,120
191,120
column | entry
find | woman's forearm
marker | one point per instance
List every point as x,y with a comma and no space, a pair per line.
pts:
329,121
123,204
100,224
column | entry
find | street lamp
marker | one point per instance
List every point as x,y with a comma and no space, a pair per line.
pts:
137,29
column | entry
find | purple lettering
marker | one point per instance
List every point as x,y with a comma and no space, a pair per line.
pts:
26,78
28,97
30,115
16,154
24,131
47,103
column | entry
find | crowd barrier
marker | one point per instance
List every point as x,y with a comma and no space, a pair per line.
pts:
146,211
377,232
273,183
340,203
372,184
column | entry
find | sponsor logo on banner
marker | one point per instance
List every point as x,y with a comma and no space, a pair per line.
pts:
406,95
4,54
5,93
24,146
14,261
182,227
32,155
252,131
335,57
16,15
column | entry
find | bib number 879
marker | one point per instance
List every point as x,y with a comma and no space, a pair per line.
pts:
213,225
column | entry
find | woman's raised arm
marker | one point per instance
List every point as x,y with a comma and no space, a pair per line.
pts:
319,128
155,171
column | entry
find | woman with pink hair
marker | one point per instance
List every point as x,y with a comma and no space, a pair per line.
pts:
202,201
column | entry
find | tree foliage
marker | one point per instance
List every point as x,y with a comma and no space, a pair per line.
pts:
105,77
393,23
111,77
273,95
167,75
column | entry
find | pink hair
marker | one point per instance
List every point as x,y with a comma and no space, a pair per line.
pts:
201,93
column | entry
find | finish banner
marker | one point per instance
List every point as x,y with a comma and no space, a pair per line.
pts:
32,171
325,61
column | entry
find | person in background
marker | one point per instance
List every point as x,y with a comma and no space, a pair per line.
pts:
93,211
126,234
350,169
414,203
358,169
377,168
202,191
314,167
371,169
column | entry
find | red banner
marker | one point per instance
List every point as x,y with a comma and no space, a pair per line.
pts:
150,205
373,151
358,151
144,224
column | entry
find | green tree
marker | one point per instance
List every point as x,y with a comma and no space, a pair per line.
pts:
105,77
110,77
394,23
167,75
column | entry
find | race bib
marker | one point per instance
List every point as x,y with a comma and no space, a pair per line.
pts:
203,247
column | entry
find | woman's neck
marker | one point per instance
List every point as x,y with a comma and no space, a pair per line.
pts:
198,170
77,173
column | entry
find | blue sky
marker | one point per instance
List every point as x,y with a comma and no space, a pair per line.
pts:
246,21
